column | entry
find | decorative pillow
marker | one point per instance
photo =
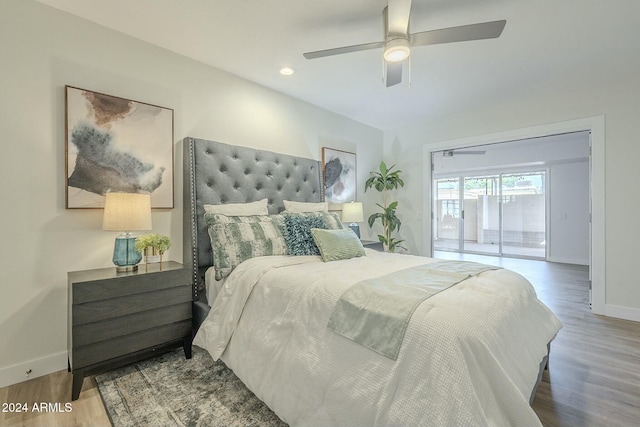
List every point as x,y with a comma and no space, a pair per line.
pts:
239,209
337,244
331,219
300,207
297,233
237,238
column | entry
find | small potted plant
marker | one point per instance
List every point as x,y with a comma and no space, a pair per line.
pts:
152,245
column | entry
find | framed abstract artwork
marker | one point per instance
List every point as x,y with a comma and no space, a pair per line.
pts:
339,172
116,144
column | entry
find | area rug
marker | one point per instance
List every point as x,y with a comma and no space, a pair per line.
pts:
170,390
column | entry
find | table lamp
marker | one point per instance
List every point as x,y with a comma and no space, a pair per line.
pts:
353,213
126,212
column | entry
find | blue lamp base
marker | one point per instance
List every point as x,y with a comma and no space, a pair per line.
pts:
125,256
356,228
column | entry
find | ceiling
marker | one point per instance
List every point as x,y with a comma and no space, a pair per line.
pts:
547,45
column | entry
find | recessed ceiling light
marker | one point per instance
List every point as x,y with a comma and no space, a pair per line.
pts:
286,71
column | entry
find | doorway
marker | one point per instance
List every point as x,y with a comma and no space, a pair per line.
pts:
595,127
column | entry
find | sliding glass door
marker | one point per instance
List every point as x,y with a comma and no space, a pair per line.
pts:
447,214
481,215
524,214
497,214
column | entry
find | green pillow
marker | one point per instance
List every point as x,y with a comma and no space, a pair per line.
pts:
297,233
335,245
237,238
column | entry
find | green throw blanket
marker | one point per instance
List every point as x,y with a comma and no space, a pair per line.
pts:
375,312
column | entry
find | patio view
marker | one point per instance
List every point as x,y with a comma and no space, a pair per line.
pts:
501,214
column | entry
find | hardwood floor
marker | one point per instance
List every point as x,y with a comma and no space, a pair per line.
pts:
593,378
594,369
87,411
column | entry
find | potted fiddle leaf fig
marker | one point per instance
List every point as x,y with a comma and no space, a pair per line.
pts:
385,180
152,245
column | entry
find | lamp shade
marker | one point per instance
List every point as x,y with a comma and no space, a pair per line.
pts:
127,212
352,212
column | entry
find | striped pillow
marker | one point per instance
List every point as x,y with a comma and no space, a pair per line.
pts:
335,245
237,238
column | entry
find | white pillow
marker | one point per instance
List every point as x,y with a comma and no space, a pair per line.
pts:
239,209
302,207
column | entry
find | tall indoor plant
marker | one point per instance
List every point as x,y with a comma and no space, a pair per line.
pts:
385,180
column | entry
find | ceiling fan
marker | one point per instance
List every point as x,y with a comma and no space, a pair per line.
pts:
451,153
398,41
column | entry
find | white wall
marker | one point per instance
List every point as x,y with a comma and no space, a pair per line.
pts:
616,100
569,213
41,50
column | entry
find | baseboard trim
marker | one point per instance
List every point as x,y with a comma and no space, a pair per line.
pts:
562,260
620,312
38,367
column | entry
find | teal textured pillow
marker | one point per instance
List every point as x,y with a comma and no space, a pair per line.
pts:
335,245
237,238
332,220
297,233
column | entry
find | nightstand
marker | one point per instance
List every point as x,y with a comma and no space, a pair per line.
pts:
116,319
372,244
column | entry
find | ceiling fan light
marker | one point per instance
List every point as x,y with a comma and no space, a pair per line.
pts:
397,50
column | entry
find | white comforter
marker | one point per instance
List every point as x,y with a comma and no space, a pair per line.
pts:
470,356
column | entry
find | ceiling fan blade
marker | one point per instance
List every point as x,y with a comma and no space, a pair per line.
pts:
485,30
451,153
398,16
341,50
393,73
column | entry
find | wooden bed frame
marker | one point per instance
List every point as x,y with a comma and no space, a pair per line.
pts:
217,173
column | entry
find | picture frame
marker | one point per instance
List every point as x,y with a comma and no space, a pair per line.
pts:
116,144
339,175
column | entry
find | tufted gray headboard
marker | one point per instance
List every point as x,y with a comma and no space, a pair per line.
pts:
217,173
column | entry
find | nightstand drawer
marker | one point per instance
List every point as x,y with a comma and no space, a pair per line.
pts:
96,285
104,350
120,326
122,306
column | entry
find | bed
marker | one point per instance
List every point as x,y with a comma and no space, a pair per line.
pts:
471,354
